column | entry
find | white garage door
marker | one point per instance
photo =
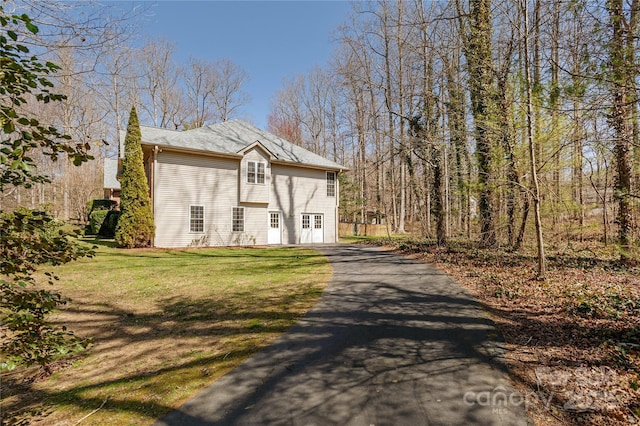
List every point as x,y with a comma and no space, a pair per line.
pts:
312,228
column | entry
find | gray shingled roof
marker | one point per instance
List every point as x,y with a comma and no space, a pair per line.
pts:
232,137
110,172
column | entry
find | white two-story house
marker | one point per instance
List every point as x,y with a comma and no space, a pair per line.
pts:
234,184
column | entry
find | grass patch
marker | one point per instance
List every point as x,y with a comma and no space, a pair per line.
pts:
165,324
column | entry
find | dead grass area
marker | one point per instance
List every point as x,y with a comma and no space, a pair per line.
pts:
165,323
573,339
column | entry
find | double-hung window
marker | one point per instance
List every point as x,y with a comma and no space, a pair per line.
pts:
255,172
238,219
331,184
196,218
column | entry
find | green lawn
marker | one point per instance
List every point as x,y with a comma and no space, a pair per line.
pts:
367,239
165,323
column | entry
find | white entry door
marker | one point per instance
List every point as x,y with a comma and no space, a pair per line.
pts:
312,229
274,234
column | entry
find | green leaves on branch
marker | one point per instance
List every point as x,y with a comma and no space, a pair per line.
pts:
24,78
33,339
15,19
28,240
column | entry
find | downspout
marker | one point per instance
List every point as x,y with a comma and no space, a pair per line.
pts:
337,221
153,190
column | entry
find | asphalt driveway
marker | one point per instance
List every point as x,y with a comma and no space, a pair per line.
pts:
393,341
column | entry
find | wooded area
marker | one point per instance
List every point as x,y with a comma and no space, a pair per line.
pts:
105,69
480,120
491,121
482,127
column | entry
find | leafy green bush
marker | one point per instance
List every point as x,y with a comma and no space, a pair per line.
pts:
96,205
101,204
611,303
108,228
29,239
96,219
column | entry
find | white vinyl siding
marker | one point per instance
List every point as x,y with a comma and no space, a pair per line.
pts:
255,224
183,180
254,185
298,190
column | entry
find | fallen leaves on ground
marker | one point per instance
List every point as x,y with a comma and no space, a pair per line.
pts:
573,339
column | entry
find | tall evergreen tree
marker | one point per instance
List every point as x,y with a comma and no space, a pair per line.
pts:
135,226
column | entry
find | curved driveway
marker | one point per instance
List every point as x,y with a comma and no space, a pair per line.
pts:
393,341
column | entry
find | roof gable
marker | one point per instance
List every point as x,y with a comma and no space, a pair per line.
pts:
234,138
258,145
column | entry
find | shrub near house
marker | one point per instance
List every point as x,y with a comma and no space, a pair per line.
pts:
102,218
135,225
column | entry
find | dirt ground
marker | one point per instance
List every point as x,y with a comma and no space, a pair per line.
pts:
573,339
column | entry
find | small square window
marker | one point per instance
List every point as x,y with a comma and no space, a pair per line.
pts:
255,172
274,220
196,218
238,219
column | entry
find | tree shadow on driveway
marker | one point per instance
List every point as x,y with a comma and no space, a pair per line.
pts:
392,341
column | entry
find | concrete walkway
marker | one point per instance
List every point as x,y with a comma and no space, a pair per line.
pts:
393,341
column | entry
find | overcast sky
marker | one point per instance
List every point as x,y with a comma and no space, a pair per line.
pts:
271,40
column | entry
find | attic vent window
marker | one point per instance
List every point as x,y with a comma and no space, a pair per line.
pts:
255,172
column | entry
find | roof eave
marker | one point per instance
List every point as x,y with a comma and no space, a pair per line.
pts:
192,150
309,165
240,155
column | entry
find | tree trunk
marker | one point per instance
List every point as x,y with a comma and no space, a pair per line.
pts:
457,135
438,205
477,49
623,77
542,268
553,105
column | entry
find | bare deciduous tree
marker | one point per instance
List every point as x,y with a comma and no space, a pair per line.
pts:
228,94
162,97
